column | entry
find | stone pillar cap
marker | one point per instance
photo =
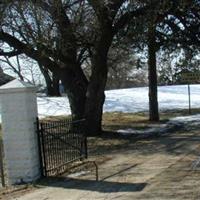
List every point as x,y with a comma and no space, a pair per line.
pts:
16,86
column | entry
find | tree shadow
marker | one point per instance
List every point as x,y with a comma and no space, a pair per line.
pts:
92,185
119,172
102,185
172,142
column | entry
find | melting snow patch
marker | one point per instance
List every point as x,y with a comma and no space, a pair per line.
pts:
192,118
78,174
151,130
188,122
196,164
173,124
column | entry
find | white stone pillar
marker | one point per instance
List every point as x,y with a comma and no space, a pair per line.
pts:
18,113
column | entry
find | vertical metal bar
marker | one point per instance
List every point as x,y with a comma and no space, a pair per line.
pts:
53,148
97,171
85,140
75,138
70,125
86,147
81,153
67,139
189,99
73,141
65,153
58,144
48,145
78,143
63,150
1,164
71,133
43,149
58,134
39,145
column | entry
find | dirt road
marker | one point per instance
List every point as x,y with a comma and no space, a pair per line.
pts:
157,169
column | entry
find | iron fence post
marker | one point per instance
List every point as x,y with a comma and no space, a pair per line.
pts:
43,154
2,165
39,145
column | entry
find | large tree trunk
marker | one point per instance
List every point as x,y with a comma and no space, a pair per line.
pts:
95,96
153,99
55,85
52,86
52,83
75,85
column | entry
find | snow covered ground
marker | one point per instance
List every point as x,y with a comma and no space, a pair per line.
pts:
128,100
134,100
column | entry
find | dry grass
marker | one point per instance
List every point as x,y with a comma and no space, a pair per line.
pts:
113,121
118,120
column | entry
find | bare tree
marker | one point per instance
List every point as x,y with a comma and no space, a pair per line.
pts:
60,54
23,68
66,32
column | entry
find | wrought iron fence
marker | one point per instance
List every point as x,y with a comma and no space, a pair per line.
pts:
62,143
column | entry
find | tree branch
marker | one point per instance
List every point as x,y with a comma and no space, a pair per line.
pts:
126,17
10,54
28,50
106,12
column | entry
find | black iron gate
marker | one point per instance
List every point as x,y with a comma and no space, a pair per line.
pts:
61,143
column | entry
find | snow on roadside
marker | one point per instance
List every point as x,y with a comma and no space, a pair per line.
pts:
186,122
148,130
187,119
160,129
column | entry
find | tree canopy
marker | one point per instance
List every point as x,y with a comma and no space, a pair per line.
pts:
62,34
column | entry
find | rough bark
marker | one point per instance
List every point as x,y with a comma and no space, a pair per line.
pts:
95,96
75,85
52,83
53,87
